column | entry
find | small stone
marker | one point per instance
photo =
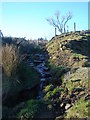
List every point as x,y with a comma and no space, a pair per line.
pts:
61,105
46,68
67,106
50,107
81,93
72,95
63,48
43,79
54,105
22,117
59,118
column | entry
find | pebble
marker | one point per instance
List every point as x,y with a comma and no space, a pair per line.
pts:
67,106
50,107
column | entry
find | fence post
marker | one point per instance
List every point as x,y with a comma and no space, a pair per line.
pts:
74,27
55,31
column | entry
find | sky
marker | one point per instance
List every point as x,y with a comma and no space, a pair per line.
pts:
28,19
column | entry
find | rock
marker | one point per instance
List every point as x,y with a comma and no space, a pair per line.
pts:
76,93
61,105
67,106
87,97
78,80
36,62
46,68
47,74
45,98
54,105
61,45
42,75
78,89
49,107
82,93
22,117
59,118
41,85
31,64
63,48
72,95
66,100
43,79
54,57
51,87
52,100
74,99
39,97
49,78
42,58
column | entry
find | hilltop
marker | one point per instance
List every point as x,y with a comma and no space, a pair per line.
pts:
69,49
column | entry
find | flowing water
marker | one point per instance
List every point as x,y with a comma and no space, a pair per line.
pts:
45,76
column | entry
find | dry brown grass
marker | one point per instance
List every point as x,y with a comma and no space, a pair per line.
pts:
10,59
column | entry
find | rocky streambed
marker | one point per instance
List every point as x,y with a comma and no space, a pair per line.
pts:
40,66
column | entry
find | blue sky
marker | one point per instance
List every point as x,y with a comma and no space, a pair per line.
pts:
28,19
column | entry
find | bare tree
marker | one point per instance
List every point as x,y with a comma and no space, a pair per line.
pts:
60,22
68,17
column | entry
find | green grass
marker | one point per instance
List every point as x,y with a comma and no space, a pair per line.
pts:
27,110
26,77
75,55
79,110
48,88
56,91
56,71
49,95
32,109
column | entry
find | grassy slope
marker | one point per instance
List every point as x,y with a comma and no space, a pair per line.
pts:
74,50
72,55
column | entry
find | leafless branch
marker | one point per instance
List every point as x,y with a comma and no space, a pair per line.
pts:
60,24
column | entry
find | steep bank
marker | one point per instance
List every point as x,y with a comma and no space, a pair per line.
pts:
69,64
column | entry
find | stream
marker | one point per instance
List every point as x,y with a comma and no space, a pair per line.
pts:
40,66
